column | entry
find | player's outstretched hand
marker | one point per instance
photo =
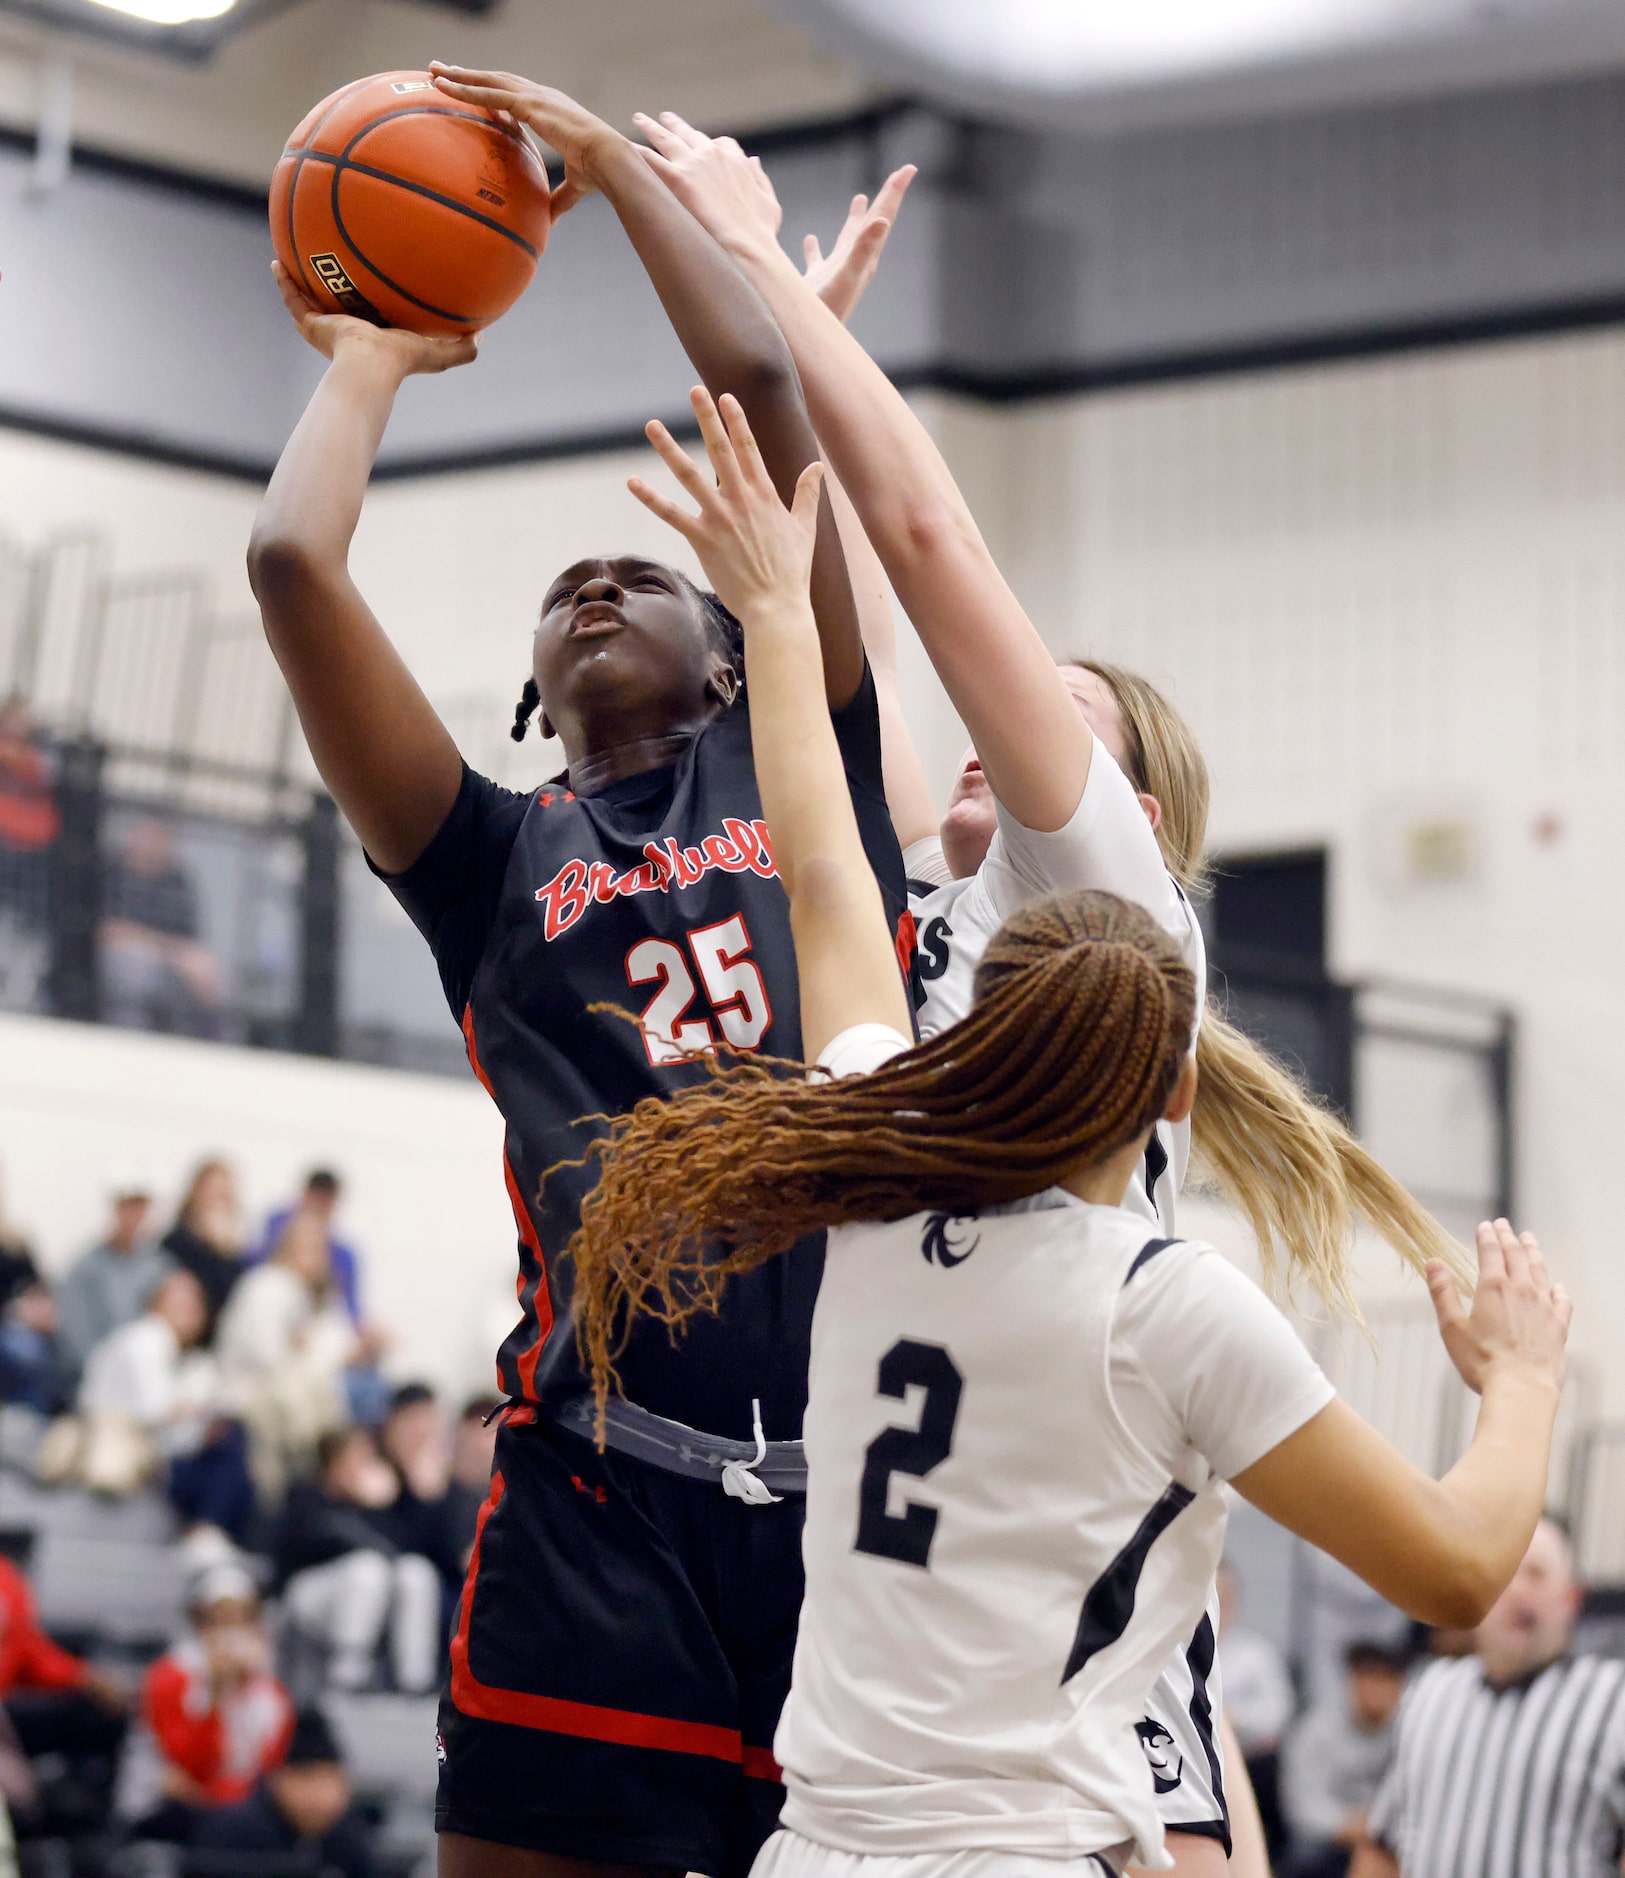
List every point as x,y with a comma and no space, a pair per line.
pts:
332,333
756,553
731,195
727,192
562,124
841,277
1519,1319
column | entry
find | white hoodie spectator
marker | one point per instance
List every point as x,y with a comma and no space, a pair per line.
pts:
149,1372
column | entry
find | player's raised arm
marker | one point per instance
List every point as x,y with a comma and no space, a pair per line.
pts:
1443,1550
758,556
388,760
720,318
1032,742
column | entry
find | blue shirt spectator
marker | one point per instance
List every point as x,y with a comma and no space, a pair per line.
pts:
320,1200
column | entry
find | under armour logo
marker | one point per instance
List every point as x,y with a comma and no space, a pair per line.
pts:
938,1246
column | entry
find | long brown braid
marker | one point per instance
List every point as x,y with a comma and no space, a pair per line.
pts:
1082,1020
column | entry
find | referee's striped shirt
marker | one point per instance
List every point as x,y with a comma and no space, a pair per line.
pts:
1526,1781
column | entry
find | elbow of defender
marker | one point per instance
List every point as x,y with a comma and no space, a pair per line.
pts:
1459,1587
279,564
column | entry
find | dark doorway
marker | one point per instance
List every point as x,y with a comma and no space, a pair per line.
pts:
1266,923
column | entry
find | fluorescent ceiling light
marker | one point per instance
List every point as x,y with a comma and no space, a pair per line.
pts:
169,12
1079,45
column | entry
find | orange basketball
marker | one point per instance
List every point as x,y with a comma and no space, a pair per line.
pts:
397,203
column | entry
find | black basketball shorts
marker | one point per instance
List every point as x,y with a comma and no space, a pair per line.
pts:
622,1652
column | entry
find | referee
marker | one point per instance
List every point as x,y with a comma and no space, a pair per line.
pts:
1509,1763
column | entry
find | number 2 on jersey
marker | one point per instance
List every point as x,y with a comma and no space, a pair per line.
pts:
732,982
907,1536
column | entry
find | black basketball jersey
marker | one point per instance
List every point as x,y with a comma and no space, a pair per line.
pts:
658,895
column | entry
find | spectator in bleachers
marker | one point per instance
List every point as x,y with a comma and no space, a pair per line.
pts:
348,1576
473,1450
30,1369
283,1346
207,1238
305,1810
29,821
217,1719
367,1391
1258,1701
416,1440
111,1283
157,973
153,1374
323,1191
69,1717
1332,1762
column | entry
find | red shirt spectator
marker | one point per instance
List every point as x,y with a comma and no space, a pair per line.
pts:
28,1658
29,821
220,1719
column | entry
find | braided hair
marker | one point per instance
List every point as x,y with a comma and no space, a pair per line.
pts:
728,634
1081,1025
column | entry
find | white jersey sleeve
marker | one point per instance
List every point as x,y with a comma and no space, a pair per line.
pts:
1108,844
926,865
1204,1367
860,1050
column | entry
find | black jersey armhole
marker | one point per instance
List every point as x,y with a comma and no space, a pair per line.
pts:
1145,1255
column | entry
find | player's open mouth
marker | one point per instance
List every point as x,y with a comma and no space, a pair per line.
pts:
595,623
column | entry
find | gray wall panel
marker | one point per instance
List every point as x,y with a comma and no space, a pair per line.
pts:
142,311
1024,261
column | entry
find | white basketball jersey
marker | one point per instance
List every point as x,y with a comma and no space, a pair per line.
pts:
1108,844
997,1570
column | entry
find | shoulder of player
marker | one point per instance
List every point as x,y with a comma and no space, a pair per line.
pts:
927,900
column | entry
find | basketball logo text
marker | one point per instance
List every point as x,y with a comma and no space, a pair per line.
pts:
413,84
329,270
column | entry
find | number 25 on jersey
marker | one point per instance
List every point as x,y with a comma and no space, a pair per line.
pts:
740,1012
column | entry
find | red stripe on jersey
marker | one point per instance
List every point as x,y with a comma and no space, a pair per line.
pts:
625,1727
908,941
759,1764
473,1052
542,1299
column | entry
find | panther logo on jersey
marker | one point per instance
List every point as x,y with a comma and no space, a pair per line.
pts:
1167,1764
938,1245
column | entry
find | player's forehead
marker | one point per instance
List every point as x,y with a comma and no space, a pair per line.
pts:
616,567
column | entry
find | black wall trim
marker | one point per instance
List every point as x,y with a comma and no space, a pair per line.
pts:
1059,381
1284,353
1281,352
813,133
142,445
220,191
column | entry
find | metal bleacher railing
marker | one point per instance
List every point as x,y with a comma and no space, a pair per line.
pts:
1426,1077
196,878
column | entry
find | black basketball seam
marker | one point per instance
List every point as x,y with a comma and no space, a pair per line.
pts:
299,164
340,165
345,161
481,118
423,306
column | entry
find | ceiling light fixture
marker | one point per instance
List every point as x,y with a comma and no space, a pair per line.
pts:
169,12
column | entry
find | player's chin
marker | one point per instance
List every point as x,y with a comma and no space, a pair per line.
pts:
967,830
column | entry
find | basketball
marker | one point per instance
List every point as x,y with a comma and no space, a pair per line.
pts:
402,206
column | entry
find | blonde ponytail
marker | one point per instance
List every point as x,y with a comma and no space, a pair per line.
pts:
1280,1157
